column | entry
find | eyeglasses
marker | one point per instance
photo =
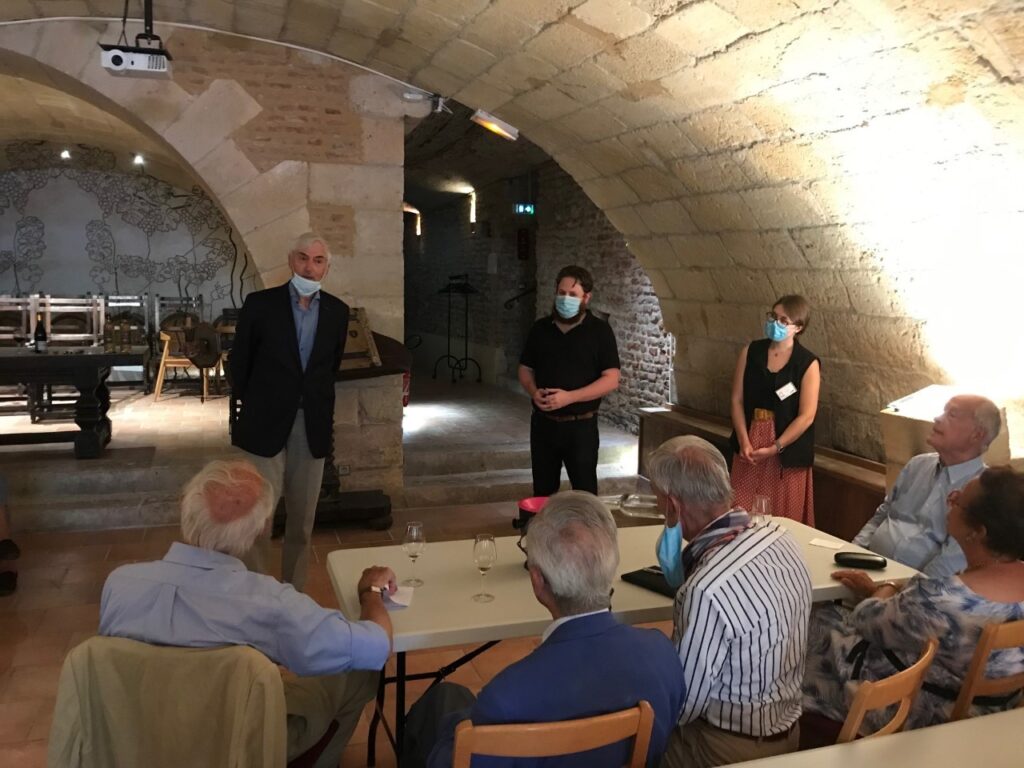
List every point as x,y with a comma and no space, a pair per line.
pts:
780,319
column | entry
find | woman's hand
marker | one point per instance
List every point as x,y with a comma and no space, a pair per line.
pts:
747,451
856,581
763,453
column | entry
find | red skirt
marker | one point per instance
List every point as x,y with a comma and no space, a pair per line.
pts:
791,489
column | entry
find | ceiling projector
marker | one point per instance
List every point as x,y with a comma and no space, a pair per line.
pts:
135,61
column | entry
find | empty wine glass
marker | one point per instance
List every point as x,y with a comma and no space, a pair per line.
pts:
761,509
414,542
485,554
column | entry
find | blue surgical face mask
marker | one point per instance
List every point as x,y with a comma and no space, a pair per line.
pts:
670,555
775,330
567,306
304,285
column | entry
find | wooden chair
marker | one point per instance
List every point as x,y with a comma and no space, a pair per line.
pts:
171,357
559,738
993,638
900,688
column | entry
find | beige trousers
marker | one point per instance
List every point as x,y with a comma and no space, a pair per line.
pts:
312,702
700,745
296,475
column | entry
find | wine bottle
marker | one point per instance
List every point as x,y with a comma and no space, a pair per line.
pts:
40,335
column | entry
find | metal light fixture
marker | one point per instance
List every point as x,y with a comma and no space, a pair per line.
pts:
495,125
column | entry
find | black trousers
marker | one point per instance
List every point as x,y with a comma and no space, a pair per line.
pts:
432,719
572,443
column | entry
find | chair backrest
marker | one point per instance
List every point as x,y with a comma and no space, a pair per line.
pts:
900,688
559,738
993,638
125,703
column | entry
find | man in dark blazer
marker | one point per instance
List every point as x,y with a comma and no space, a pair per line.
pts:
287,349
587,663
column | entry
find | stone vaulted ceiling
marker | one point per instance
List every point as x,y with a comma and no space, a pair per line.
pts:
857,151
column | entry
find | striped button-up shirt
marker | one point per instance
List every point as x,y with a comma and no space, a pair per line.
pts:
741,632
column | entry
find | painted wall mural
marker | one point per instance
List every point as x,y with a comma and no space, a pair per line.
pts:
84,225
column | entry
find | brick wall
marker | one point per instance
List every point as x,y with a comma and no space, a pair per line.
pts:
568,229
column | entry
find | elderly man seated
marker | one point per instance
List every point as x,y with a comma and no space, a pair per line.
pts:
910,524
587,663
740,616
201,595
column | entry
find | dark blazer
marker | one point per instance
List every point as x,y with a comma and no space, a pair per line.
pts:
267,375
588,666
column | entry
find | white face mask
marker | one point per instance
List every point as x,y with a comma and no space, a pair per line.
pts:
304,285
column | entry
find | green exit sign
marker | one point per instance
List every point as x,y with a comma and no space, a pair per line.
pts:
526,209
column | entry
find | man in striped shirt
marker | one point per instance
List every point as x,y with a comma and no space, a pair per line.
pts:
740,617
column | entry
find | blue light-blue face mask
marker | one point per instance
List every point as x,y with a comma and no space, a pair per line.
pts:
567,306
775,330
670,554
304,285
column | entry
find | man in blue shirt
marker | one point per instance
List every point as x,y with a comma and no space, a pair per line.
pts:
910,525
587,663
201,596
286,353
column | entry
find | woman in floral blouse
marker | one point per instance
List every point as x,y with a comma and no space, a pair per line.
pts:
887,630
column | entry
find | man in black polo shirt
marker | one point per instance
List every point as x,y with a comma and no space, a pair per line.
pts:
569,363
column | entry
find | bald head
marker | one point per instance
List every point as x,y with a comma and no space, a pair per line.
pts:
225,507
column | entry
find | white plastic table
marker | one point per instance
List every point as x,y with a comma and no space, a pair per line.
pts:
444,613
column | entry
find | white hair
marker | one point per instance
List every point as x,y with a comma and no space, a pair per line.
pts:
307,239
986,416
238,530
691,470
574,543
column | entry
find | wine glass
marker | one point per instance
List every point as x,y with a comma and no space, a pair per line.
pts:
414,542
761,509
485,554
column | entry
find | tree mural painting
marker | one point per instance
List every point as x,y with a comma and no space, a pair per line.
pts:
140,201
23,258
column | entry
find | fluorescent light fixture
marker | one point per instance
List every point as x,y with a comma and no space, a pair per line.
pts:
419,225
139,160
65,154
494,125
472,207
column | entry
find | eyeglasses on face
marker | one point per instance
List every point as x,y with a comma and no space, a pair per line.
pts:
780,319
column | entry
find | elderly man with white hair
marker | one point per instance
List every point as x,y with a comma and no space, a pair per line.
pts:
202,596
910,524
587,663
287,349
740,616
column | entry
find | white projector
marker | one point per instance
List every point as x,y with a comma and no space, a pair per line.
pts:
136,62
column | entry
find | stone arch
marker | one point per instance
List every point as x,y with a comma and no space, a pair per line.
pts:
269,198
852,150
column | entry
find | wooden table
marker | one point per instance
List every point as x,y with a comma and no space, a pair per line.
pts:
443,612
989,741
87,368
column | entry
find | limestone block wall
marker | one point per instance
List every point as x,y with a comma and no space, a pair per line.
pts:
866,153
368,435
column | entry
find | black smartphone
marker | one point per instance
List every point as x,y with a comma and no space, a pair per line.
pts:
866,560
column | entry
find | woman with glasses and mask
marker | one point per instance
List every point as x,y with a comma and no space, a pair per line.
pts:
774,402
888,629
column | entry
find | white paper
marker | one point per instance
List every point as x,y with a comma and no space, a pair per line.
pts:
827,543
785,391
401,598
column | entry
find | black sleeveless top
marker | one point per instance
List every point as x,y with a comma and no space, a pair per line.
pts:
759,387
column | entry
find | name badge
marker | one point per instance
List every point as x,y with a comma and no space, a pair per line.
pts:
785,391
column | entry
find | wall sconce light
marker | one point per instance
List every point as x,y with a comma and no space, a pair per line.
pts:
65,154
472,213
138,160
416,212
419,225
495,125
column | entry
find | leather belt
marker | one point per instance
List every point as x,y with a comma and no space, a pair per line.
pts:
763,414
771,737
569,417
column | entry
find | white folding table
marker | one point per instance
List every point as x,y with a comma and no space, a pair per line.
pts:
443,611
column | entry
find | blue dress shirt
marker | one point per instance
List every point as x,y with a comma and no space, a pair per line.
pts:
198,598
306,321
910,525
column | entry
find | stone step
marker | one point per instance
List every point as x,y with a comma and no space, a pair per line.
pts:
130,510
424,460
500,485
